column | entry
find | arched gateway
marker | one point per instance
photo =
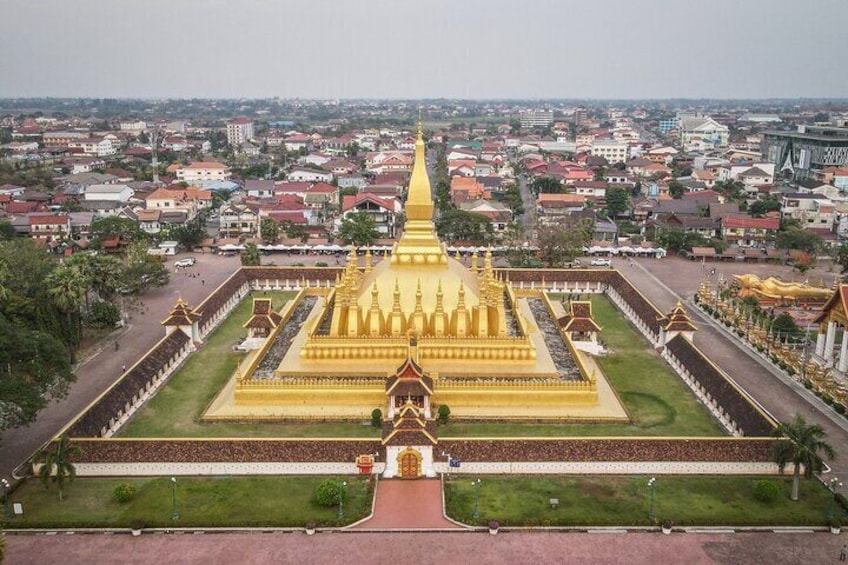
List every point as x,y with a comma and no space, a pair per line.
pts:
409,433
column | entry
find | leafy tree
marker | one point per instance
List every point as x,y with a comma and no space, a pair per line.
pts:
376,417
512,198
760,208
359,229
103,315
784,325
618,200
546,185
444,413
348,191
7,232
459,225
142,271
842,257
798,238
562,243
190,234
56,466
678,239
801,445
270,230
250,256
676,189
112,226
71,205
35,370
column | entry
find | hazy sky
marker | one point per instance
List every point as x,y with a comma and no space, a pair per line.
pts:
425,48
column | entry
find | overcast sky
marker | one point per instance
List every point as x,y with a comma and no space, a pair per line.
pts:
425,48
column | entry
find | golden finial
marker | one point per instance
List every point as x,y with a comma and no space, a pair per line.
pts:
420,130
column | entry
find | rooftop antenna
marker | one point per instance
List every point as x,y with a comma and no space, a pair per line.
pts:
155,161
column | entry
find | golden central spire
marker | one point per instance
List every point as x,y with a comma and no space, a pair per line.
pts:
419,243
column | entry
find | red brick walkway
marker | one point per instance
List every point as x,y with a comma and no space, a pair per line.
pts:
408,504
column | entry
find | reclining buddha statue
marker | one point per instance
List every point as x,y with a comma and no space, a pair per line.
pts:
779,290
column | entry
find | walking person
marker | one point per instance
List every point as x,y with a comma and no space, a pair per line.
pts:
843,555
123,368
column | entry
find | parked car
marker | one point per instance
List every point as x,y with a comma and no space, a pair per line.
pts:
187,262
601,262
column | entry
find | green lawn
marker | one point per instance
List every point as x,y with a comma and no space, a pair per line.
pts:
625,501
217,501
176,409
657,400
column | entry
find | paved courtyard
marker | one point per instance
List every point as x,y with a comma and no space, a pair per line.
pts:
425,548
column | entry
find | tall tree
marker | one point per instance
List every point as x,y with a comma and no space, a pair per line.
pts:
270,230
250,256
512,198
618,200
67,287
359,229
56,465
35,370
801,444
546,185
459,225
562,243
105,228
801,239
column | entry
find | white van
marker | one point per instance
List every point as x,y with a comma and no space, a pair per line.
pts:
187,262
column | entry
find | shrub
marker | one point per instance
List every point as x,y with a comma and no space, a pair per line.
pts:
839,407
137,524
376,417
827,398
103,315
766,491
444,413
328,493
321,264
808,384
494,524
124,492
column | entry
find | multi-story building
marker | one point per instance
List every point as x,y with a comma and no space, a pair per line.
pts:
99,146
383,210
61,138
135,128
203,171
803,152
666,126
700,133
239,131
536,118
611,150
811,210
238,220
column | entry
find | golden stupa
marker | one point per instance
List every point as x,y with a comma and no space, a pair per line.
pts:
467,328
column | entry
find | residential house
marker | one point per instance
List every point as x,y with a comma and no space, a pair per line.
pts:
591,188
321,195
383,210
108,192
49,227
298,142
302,174
351,181
259,188
238,220
317,159
465,189
745,231
99,146
707,227
292,188
552,207
498,213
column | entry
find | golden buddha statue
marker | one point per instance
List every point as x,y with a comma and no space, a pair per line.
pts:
752,285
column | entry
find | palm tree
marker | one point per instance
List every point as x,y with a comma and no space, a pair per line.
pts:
56,464
801,444
67,287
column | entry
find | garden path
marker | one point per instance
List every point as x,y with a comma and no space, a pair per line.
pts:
405,504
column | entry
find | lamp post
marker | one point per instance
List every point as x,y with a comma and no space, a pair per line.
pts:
651,485
6,514
832,486
175,512
476,485
342,485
